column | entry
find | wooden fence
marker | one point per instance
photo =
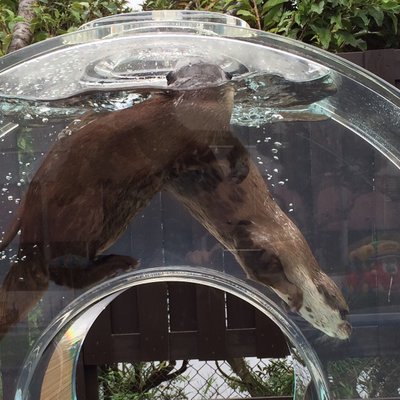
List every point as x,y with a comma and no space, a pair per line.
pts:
175,321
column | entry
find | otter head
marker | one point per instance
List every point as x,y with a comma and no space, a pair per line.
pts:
284,261
308,290
203,95
196,74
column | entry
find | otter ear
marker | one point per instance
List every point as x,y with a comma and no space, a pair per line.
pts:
171,77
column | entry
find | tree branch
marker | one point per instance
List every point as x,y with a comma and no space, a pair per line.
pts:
249,380
164,374
22,33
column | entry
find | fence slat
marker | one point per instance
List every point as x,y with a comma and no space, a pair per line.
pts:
211,323
240,314
270,341
182,306
124,315
153,321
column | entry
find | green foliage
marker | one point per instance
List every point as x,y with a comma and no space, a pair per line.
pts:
150,380
54,17
365,377
278,378
274,378
8,18
335,25
140,381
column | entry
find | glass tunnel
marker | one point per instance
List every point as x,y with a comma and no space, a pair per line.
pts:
196,206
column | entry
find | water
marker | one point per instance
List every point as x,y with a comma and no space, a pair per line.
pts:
340,191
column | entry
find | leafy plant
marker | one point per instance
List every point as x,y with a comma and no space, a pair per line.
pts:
8,18
149,380
274,378
54,17
142,381
335,25
365,377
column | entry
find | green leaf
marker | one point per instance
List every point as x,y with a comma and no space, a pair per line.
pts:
245,13
273,3
346,38
298,20
377,14
323,35
391,5
318,8
76,15
39,36
10,13
337,21
395,21
272,17
364,17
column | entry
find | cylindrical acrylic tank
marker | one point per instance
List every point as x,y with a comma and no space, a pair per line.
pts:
177,188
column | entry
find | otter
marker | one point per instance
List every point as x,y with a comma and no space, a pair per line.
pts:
97,177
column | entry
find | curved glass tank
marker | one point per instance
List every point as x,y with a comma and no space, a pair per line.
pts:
151,150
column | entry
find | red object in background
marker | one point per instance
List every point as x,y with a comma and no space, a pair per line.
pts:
380,274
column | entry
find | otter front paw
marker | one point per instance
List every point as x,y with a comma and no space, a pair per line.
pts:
82,274
238,159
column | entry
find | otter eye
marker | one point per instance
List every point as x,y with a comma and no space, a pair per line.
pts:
343,313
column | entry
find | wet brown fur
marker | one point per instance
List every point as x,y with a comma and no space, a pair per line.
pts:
94,181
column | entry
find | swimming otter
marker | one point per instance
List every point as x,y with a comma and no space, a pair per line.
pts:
95,179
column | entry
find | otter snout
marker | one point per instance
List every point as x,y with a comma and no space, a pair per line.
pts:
325,307
344,330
